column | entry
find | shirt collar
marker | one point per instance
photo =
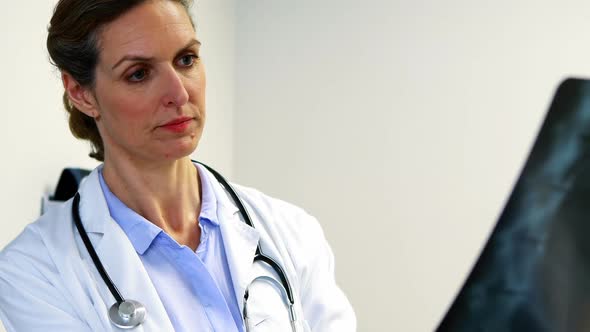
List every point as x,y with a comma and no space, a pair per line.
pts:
140,231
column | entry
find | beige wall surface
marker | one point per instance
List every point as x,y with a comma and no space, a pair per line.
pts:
34,138
402,126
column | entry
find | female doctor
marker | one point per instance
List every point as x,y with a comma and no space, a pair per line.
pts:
154,241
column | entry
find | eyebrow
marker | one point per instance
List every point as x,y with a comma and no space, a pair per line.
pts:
148,59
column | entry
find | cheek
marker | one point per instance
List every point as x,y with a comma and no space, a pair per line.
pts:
126,109
197,83
197,90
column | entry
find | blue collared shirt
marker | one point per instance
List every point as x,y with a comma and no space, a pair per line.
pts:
195,287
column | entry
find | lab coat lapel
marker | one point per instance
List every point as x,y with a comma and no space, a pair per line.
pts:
239,241
129,275
118,257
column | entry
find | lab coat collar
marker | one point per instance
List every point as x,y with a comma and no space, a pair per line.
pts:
94,210
239,240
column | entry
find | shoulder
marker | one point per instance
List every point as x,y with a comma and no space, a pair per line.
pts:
298,239
33,270
287,230
31,257
24,251
279,214
268,204
30,271
30,252
30,244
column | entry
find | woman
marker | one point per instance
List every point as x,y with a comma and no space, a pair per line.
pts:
165,230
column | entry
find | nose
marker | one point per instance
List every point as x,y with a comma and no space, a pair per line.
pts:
175,93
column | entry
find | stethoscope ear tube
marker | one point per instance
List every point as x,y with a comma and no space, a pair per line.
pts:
275,266
259,256
124,314
282,290
103,273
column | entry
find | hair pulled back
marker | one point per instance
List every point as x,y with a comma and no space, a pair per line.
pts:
72,42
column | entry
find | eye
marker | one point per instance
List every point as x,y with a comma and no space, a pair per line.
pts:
187,60
138,75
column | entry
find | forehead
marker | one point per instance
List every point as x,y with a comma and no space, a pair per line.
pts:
154,28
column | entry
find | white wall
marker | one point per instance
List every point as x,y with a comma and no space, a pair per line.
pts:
401,125
34,138
216,27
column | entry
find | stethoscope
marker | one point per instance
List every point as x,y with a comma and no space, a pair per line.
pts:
127,313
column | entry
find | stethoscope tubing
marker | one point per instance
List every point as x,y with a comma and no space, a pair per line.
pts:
259,255
90,248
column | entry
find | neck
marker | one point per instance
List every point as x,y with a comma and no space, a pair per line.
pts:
168,195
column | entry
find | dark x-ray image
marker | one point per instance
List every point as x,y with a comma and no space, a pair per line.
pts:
534,272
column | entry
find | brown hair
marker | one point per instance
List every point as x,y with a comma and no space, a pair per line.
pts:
72,43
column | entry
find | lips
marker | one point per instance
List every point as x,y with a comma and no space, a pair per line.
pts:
177,125
177,121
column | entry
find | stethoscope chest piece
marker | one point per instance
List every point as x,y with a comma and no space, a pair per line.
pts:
127,314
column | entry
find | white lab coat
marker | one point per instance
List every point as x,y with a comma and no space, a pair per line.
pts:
49,283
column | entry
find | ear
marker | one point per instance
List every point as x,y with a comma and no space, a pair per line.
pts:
80,96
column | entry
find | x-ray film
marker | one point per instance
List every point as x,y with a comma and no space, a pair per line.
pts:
534,272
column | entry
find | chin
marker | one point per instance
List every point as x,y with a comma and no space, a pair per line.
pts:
180,151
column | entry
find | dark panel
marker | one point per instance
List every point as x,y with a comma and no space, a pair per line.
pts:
534,272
